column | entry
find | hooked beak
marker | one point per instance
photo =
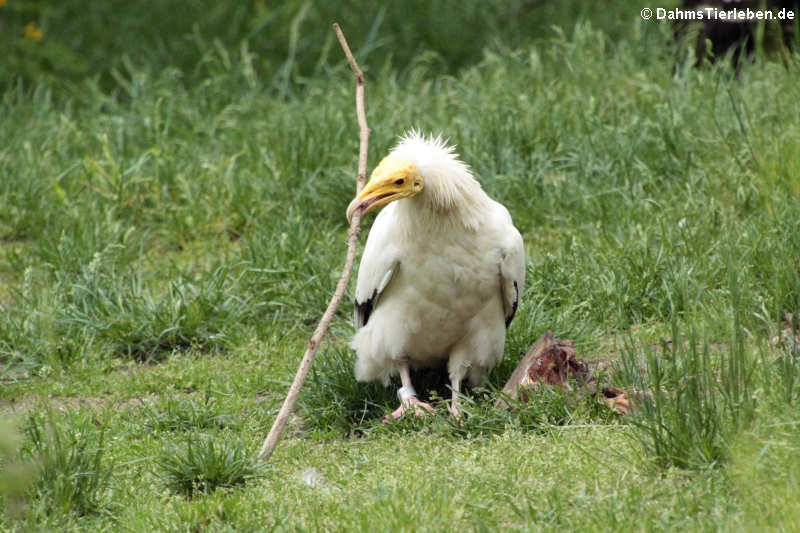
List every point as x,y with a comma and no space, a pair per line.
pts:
373,196
390,181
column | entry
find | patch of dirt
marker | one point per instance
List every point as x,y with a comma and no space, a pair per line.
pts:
789,334
11,376
63,403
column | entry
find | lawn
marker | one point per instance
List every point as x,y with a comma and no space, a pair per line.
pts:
172,225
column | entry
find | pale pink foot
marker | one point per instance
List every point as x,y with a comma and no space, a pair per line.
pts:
455,412
413,404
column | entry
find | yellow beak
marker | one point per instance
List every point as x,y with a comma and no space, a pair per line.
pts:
373,196
391,180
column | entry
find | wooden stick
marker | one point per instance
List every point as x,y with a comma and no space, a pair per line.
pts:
352,244
363,130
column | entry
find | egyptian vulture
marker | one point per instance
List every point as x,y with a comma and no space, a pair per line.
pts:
441,275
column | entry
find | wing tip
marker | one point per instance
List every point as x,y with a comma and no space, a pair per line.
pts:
363,310
514,305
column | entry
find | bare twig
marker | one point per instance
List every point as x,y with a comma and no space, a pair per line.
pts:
363,130
352,244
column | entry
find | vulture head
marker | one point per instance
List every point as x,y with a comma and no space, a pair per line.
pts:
394,178
427,171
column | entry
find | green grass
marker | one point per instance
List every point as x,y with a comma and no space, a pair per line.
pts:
204,465
171,230
188,414
71,474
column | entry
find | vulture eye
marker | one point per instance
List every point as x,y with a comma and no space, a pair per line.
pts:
400,181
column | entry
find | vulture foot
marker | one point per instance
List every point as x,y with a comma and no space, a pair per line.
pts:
411,404
455,412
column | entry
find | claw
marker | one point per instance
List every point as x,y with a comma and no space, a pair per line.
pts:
419,408
455,412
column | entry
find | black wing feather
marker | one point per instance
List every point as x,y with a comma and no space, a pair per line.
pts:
364,310
510,317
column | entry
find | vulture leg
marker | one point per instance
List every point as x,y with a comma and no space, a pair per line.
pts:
408,396
455,385
458,366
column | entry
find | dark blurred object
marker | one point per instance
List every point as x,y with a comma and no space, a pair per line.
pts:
737,37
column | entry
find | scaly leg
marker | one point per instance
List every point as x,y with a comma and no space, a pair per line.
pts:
408,396
455,384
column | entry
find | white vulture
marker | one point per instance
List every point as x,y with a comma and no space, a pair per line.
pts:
441,275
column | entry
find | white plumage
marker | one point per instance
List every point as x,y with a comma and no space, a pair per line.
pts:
441,274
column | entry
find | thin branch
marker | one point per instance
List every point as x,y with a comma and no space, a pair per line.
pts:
352,244
363,130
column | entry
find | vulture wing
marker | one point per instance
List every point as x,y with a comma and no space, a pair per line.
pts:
378,263
512,267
